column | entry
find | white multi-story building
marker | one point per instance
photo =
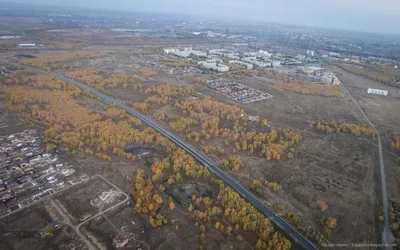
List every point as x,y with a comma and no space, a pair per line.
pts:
214,66
264,54
219,52
198,53
253,60
222,68
182,53
169,51
231,56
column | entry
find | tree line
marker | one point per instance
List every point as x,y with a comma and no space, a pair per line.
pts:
345,127
47,62
385,74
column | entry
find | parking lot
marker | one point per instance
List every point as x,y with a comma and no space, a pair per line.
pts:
237,91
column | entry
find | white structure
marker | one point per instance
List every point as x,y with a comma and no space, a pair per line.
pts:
9,37
377,92
231,56
301,57
27,45
253,60
250,54
264,54
219,52
186,52
211,64
275,63
169,51
240,44
198,53
311,53
182,53
248,65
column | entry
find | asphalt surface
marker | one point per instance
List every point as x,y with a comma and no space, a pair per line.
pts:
279,221
387,233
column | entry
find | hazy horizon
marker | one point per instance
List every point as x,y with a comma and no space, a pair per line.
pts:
367,15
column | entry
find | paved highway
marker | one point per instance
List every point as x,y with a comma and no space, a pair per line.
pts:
299,238
387,233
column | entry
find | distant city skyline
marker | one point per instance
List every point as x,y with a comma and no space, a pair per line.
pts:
362,15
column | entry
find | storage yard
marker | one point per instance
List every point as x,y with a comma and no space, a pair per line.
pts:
237,91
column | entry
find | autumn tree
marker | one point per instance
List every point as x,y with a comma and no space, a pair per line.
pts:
171,205
322,205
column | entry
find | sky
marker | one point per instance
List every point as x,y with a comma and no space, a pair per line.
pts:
364,15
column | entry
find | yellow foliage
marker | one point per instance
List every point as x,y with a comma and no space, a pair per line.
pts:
46,61
322,205
171,205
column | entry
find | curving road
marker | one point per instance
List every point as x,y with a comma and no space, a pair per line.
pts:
387,233
279,221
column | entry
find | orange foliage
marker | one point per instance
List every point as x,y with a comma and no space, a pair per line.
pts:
350,128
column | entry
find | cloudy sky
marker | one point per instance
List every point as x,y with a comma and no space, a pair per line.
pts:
365,15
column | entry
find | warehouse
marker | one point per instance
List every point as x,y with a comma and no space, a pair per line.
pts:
377,92
28,45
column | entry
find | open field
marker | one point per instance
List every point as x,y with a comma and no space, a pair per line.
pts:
88,199
383,110
23,230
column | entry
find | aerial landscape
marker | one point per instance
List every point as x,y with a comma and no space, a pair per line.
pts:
139,130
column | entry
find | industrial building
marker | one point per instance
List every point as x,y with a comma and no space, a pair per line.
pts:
377,92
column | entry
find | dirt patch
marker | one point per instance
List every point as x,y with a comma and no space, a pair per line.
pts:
77,200
23,230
